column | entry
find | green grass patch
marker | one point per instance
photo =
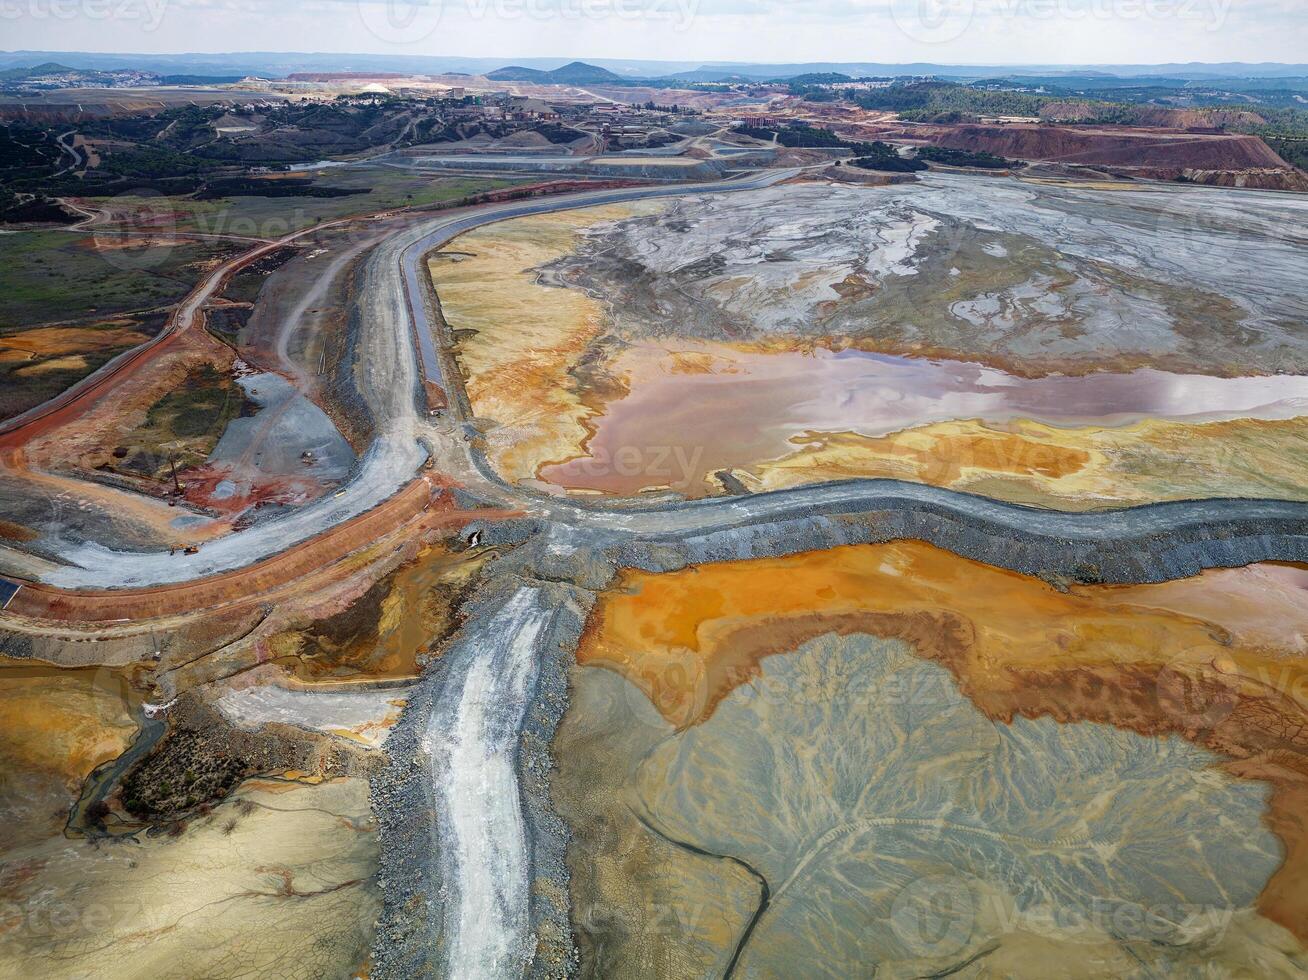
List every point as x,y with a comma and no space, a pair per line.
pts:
184,425
58,276
275,217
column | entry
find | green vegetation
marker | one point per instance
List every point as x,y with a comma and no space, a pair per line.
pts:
802,136
53,276
948,102
967,158
1125,105
147,162
368,190
1292,149
265,187
26,151
33,371
184,425
33,209
151,790
1286,132
245,285
202,405
798,135
883,156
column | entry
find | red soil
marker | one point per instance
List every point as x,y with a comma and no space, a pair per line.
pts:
1115,147
421,505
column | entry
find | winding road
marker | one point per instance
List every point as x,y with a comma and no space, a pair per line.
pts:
473,720
397,320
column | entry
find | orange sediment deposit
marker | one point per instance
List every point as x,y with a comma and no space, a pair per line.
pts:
17,532
401,517
70,362
100,422
60,341
777,418
80,437
527,339
1204,658
382,631
119,243
69,720
1075,468
56,726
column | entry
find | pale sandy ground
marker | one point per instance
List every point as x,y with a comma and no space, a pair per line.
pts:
288,891
528,336
359,716
1068,469
531,335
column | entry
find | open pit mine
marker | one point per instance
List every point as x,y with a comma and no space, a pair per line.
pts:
778,576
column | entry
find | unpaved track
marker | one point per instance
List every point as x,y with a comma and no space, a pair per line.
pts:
394,329
472,754
476,717
402,342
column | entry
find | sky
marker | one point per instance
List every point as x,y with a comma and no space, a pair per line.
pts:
768,31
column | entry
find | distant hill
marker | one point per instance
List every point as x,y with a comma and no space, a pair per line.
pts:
36,71
269,64
576,73
711,75
516,73
819,78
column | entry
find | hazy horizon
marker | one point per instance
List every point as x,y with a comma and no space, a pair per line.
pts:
960,32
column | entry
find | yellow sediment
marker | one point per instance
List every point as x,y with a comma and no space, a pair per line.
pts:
58,341
528,336
1064,468
67,722
56,727
73,362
